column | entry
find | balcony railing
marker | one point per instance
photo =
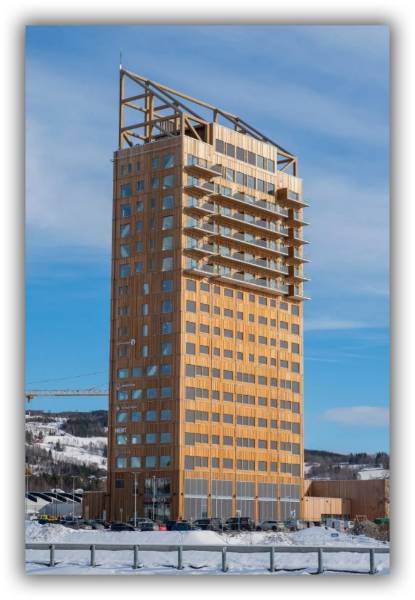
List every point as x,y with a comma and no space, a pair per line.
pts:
201,166
261,204
242,278
228,213
290,197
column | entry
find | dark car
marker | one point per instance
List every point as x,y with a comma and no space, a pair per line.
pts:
240,524
119,526
169,524
103,522
213,524
183,526
94,524
143,524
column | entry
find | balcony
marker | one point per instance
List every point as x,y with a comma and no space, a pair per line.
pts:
298,219
194,186
297,275
201,207
297,257
236,277
267,208
200,166
250,221
290,198
296,293
270,266
298,239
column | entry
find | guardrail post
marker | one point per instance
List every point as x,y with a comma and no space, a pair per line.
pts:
92,548
224,563
52,555
272,559
180,557
320,561
372,569
135,564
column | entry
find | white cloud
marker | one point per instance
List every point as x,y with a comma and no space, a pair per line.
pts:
372,416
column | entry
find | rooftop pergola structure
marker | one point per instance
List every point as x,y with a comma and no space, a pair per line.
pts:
152,110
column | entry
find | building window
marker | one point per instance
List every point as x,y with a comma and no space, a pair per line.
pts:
165,460
125,230
165,414
135,462
136,394
227,463
168,181
166,327
190,348
167,306
167,222
190,306
167,243
167,263
122,439
165,437
122,373
121,462
122,395
151,415
126,190
122,416
167,202
151,438
138,267
151,462
140,185
168,161
136,416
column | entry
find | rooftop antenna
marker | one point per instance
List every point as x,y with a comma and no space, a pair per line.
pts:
120,60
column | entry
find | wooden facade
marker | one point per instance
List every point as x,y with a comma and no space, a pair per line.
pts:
206,368
368,498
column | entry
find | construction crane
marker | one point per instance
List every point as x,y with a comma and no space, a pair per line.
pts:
30,394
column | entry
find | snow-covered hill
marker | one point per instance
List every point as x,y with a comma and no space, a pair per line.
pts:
63,446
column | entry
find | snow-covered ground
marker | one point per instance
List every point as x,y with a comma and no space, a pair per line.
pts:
75,450
197,562
373,473
362,471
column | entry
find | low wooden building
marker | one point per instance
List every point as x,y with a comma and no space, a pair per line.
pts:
354,497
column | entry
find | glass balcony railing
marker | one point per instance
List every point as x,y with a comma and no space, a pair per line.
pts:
202,166
247,278
262,204
225,212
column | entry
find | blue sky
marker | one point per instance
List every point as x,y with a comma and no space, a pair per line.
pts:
321,92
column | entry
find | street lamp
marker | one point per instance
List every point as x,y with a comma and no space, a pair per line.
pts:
73,496
154,496
135,499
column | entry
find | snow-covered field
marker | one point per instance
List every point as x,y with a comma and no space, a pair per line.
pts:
74,450
200,562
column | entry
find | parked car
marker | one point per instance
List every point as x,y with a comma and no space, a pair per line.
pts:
103,522
212,524
240,524
271,526
119,526
94,524
169,524
183,526
143,524
295,524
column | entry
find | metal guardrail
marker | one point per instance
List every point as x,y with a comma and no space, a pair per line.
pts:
224,550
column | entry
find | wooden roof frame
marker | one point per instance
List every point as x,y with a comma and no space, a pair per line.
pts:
167,112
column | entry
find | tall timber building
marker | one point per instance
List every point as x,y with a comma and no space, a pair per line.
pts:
206,361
